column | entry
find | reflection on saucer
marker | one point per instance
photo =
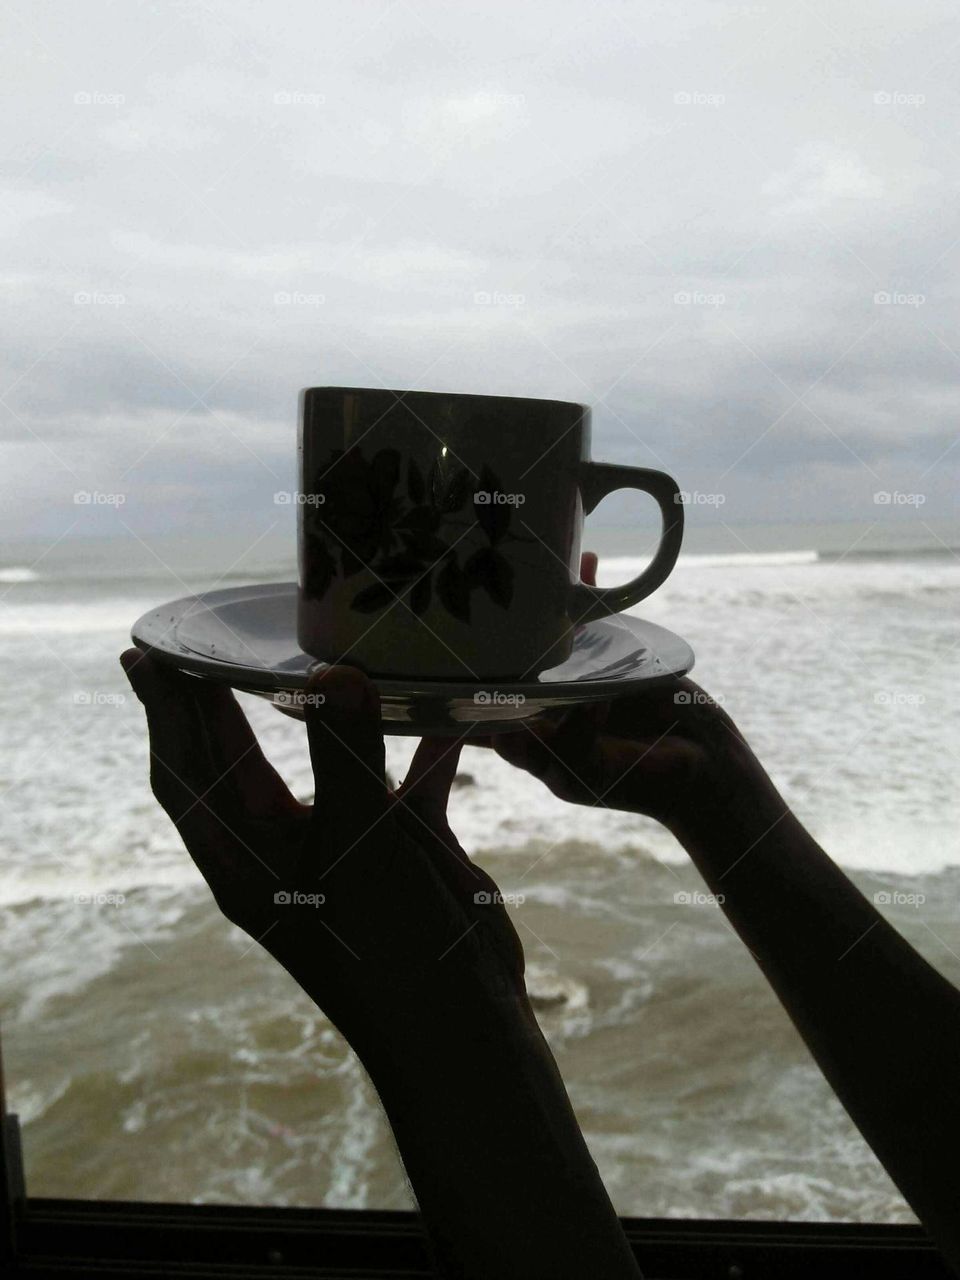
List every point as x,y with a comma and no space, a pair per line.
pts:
246,637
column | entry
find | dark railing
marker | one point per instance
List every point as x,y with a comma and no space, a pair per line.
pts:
61,1238
52,1239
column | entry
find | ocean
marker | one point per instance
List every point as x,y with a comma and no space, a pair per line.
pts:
151,1052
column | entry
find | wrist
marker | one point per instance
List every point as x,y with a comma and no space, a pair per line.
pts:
491,1145
391,1003
730,796
441,1031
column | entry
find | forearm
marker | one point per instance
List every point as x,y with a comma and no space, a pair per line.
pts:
883,1025
489,1140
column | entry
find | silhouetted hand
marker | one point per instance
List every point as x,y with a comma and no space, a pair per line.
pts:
424,980
365,897
652,753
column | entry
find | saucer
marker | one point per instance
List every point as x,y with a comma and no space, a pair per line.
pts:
246,637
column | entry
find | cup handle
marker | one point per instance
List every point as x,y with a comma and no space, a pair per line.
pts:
597,479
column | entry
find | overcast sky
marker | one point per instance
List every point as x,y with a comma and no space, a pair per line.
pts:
679,214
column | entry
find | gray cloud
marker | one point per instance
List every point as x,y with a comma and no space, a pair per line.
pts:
731,229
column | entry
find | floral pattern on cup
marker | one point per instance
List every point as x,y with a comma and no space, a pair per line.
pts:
400,532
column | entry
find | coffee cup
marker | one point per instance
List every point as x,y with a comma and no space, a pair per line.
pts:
439,534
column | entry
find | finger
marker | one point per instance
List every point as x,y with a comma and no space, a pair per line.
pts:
425,792
564,757
660,709
342,712
244,771
574,747
588,568
448,857
526,750
638,773
422,799
431,774
181,771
